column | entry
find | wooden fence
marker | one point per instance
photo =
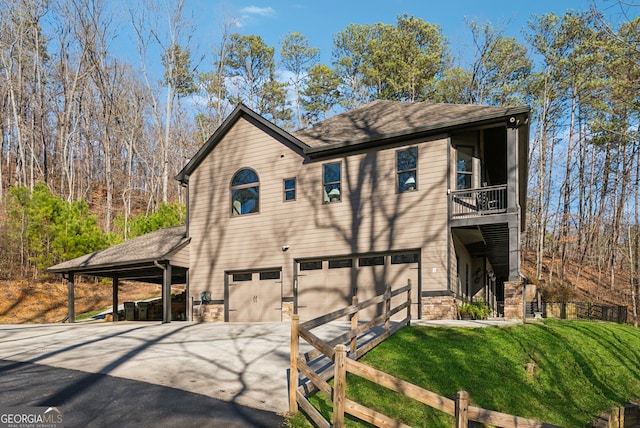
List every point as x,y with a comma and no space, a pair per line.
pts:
334,359
586,311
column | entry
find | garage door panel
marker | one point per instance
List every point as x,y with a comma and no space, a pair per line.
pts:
268,301
372,281
240,295
255,297
402,269
321,291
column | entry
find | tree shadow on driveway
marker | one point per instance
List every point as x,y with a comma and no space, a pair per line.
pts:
98,400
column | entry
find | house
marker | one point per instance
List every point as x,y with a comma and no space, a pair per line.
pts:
390,192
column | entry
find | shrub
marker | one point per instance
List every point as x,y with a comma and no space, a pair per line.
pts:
557,293
477,310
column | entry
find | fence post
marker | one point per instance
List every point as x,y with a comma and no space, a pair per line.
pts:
409,300
462,407
387,308
354,326
293,370
339,387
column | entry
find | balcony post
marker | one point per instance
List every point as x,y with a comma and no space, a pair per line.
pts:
512,164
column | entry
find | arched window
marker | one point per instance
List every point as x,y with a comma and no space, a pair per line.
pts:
245,192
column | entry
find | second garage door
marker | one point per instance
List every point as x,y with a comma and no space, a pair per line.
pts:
327,285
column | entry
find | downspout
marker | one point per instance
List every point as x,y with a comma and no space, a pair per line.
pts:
189,299
524,298
450,232
185,185
159,266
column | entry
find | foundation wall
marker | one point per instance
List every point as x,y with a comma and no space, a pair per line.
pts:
513,301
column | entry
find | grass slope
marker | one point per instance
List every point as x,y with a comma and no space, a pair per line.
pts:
581,370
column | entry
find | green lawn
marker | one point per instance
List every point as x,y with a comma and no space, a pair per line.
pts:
581,370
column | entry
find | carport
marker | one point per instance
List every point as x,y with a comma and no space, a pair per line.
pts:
159,257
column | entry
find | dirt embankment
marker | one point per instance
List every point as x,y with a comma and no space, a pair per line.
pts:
46,302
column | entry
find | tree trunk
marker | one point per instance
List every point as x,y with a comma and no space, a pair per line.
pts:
566,204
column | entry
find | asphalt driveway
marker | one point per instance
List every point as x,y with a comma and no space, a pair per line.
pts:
96,400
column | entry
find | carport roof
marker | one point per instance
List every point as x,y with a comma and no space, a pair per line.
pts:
136,259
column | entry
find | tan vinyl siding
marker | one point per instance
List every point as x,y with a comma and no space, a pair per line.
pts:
222,243
372,216
181,257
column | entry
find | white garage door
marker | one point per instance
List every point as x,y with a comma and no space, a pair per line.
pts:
255,296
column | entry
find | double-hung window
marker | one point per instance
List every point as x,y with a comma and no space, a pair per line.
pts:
289,189
331,182
406,169
464,167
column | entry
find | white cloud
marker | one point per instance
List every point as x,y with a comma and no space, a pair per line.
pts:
255,10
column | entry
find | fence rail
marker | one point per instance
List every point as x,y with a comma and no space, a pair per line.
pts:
333,359
585,311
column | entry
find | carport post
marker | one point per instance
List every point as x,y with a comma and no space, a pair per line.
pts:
115,299
71,316
166,294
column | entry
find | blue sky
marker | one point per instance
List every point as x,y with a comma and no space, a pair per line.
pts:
319,20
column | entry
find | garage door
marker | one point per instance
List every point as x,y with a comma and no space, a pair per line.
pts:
255,296
323,286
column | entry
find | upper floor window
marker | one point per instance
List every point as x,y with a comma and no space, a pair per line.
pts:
245,192
331,176
406,168
464,167
289,186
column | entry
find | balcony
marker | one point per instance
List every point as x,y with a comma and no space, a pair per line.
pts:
468,203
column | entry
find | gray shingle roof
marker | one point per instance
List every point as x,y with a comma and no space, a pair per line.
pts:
157,245
383,119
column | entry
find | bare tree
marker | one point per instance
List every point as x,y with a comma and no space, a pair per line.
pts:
173,39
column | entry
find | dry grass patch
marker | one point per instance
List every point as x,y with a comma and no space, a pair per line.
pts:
46,302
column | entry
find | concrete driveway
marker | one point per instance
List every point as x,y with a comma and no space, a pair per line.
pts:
241,363
245,364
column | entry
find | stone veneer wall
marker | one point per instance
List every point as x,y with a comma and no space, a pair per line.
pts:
212,312
287,311
439,308
514,301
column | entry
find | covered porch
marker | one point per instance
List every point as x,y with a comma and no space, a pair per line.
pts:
160,257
